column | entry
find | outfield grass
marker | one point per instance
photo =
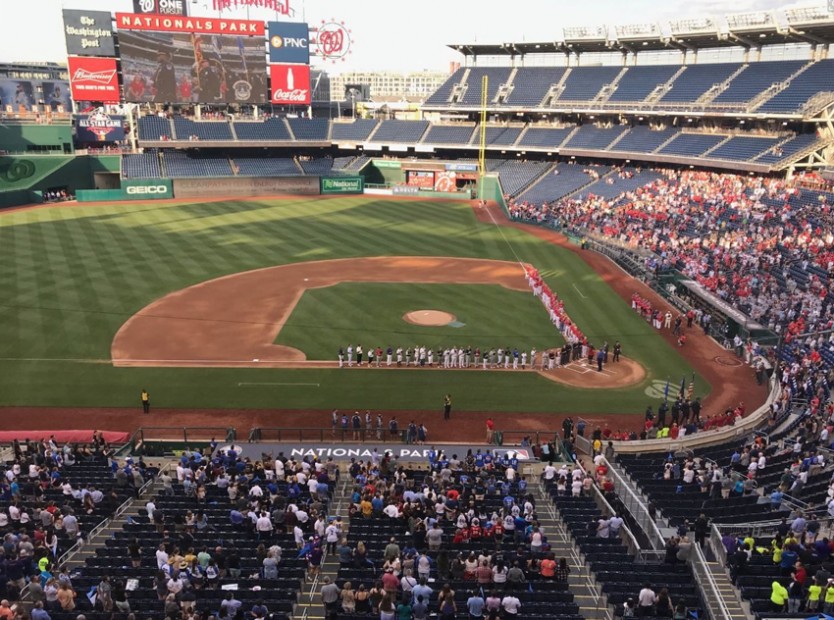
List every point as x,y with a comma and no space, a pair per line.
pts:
71,276
371,314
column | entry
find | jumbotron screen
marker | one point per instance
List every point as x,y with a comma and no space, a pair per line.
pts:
181,67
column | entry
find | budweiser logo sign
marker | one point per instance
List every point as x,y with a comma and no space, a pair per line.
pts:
99,77
298,95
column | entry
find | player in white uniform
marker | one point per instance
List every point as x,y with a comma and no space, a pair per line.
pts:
350,355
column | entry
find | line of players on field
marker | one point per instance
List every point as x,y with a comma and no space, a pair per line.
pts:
469,357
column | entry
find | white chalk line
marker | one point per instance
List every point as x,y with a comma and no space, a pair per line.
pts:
247,384
576,288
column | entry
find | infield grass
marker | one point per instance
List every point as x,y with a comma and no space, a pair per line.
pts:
70,276
371,314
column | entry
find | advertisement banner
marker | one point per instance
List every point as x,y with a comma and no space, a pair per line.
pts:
446,182
420,178
23,95
203,25
245,186
89,33
289,42
99,127
154,189
462,167
290,84
406,190
168,67
342,185
387,163
93,79
161,7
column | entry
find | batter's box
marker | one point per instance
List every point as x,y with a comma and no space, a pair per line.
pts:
584,369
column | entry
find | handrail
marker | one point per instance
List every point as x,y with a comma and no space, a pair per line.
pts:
635,506
631,539
715,605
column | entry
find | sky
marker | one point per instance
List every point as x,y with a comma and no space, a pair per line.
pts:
387,36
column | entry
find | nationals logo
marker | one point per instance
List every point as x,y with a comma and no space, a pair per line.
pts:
290,84
333,41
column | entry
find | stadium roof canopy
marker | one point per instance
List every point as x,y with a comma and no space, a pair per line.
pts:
809,25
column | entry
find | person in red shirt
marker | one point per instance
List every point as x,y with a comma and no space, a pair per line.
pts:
490,430
547,568
390,582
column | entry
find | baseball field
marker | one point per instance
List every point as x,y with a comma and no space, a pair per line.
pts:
244,304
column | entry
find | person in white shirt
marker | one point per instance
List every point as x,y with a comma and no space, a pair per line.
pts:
646,601
576,487
332,533
549,472
161,557
298,536
688,475
603,528
256,491
391,511
279,469
264,525
762,462
614,525
511,605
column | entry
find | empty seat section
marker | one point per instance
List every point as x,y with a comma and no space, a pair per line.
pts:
696,80
202,130
545,137
155,128
789,148
498,136
309,129
591,137
319,165
564,180
743,148
531,84
400,131
182,164
642,139
756,78
615,184
817,78
270,129
449,134
692,144
583,83
266,166
141,166
358,130
496,77
639,82
516,175
441,95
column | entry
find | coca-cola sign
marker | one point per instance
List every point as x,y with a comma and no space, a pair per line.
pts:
290,84
93,79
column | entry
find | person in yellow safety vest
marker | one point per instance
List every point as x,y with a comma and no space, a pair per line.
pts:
828,607
778,596
814,593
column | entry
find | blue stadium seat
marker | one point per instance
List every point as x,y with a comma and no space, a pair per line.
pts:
442,94
496,76
592,137
449,134
357,130
183,164
530,85
309,129
757,77
584,83
400,131
545,137
270,129
266,166
696,80
639,82
202,130
155,128
692,144
141,166
817,78
643,139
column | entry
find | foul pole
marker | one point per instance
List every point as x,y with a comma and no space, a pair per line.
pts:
482,148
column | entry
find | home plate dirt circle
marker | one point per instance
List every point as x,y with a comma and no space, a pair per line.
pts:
429,318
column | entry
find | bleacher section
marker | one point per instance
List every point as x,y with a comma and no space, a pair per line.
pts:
201,130
271,129
756,78
642,139
141,166
318,166
564,180
449,134
584,83
817,78
496,77
613,185
531,84
309,129
266,167
400,131
592,137
697,80
183,164
356,131
516,175
155,128
789,148
442,94
545,137
742,148
639,82
498,136
691,144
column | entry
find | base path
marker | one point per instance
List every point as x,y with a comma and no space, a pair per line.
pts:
233,321
731,384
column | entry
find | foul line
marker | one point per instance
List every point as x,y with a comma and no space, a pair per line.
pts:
244,384
578,291
504,237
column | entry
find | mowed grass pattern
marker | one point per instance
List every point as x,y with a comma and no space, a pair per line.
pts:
371,314
70,276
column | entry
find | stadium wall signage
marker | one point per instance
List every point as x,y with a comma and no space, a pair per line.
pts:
290,84
93,79
363,452
204,25
342,185
245,186
142,188
89,33
161,7
99,128
289,42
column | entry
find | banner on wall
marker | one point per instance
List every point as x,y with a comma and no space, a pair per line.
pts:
28,95
89,33
203,25
99,127
161,7
93,79
289,42
290,84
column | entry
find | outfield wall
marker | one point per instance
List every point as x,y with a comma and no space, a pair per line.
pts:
245,186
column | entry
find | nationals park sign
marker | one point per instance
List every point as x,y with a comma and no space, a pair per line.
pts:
205,25
345,452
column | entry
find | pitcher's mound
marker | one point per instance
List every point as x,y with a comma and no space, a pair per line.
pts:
428,318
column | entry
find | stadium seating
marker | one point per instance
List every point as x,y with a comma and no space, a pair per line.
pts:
183,164
201,130
441,95
498,136
544,137
400,131
789,148
743,148
449,134
691,144
756,78
565,179
154,127
642,139
270,129
818,77
496,77
615,184
531,84
141,166
592,137
639,82
266,167
309,129
583,83
697,80
354,131
516,175
318,166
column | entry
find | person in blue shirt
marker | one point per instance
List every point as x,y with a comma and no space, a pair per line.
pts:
39,613
378,504
522,485
514,461
488,459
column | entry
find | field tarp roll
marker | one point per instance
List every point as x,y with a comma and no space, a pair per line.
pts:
245,186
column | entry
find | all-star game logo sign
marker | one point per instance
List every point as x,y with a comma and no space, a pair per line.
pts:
104,127
333,41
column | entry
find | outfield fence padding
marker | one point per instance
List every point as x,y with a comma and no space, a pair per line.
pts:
245,186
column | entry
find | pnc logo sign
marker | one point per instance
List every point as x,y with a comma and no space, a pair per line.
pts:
289,42
133,190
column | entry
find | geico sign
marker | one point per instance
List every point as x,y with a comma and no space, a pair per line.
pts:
147,189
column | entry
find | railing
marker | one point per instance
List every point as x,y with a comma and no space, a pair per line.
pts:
635,505
714,601
324,435
187,433
599,599
625,532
